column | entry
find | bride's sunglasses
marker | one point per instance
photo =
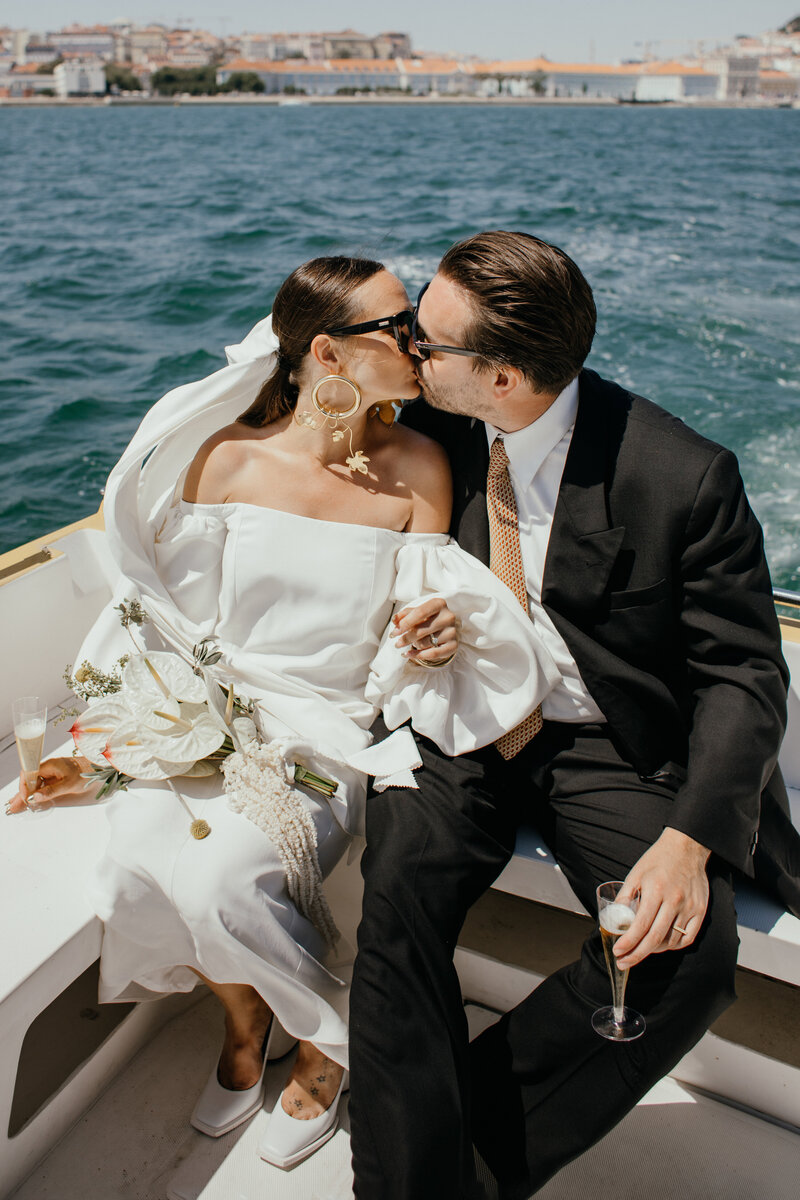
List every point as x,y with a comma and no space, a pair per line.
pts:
400,325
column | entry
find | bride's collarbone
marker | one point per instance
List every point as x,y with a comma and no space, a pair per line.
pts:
328,492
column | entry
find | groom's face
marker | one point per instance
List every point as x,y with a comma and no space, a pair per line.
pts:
449,381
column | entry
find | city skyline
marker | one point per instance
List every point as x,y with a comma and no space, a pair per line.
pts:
578,30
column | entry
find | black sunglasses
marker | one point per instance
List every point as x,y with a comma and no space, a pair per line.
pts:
400,325
424,349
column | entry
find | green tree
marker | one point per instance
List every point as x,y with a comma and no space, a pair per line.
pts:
243,81
196,81
121,78
47,68
539,83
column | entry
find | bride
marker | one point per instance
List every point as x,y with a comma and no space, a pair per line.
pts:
293,524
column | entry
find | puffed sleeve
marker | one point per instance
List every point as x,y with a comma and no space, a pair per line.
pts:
500,673
188,552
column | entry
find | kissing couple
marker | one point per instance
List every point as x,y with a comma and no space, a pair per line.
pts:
536,596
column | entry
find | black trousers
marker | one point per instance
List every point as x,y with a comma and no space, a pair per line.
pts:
540,1087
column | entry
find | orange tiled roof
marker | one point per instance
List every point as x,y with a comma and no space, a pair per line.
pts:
440,66
673,68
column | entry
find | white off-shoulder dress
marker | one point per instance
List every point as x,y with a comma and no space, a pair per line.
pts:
299,610
308,602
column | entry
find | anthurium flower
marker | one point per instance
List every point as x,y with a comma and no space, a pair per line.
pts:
241,730
94,729
158,675
194,734
127,753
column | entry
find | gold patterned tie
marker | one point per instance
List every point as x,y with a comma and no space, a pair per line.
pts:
506,562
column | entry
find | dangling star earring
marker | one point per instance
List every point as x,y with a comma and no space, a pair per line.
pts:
357,460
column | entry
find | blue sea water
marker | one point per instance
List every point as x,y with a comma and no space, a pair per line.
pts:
136,243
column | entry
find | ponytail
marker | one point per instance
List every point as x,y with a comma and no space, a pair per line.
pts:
276,398
319,295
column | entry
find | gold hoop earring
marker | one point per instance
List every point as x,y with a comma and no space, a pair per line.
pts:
326,412
358,460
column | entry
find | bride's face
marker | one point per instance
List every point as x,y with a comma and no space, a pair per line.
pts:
374,360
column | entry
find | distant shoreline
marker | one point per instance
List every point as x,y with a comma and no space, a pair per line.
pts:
299,101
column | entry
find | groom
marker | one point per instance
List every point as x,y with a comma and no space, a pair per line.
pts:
629,539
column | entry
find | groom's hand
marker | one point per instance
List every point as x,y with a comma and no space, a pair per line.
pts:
672,884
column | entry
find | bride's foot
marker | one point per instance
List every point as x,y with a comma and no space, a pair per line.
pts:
312,1085
308,1112
242,1057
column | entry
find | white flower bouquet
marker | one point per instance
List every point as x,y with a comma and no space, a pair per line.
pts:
154,717
163,721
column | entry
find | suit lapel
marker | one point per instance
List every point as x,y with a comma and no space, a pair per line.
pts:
470,463
583,546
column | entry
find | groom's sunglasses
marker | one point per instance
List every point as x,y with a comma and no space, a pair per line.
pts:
400,325
422,348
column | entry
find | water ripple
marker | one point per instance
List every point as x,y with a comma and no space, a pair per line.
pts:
137,244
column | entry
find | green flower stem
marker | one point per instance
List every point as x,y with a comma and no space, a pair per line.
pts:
317,783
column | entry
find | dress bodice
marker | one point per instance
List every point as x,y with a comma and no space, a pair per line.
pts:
310,597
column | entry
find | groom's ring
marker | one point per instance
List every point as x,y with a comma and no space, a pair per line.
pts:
680,929
434,639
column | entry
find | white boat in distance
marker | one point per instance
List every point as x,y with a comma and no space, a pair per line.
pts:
95,1100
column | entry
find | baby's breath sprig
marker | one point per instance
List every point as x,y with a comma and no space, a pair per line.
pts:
89,682
131,613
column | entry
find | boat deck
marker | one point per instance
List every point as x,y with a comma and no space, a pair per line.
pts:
135,1143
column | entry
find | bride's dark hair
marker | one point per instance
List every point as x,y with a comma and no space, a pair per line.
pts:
319,295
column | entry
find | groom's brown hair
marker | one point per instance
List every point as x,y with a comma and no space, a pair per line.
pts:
532,307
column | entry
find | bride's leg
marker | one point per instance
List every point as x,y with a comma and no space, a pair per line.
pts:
247,1019
312,1085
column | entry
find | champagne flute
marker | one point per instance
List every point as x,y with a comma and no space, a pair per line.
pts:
616,1022
30,721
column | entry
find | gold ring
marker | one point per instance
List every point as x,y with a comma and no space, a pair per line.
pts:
421,662
680,929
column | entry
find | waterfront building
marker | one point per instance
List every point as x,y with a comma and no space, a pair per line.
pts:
738,75
38,53
676,81
25,80
96,41
645,81
337,76
319,47
80,77
138,44
778,86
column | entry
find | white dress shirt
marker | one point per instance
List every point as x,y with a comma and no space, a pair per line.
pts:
536,457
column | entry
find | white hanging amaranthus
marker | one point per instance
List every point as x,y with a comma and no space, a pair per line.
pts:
257,787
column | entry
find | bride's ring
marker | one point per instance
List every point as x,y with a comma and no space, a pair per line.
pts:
434,640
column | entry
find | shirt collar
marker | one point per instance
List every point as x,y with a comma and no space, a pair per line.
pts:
528,448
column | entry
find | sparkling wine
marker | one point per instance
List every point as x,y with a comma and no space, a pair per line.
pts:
615,1021
615,919
30,739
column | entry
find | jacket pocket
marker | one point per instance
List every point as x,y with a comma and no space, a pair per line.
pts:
635,597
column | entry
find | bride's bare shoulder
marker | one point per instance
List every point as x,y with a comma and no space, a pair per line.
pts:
217,463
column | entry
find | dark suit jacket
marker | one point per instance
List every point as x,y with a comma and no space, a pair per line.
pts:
655,577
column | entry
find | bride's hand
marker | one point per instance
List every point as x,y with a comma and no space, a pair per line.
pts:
429,630
59,779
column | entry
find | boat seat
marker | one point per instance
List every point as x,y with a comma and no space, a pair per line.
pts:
51,936
769,936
